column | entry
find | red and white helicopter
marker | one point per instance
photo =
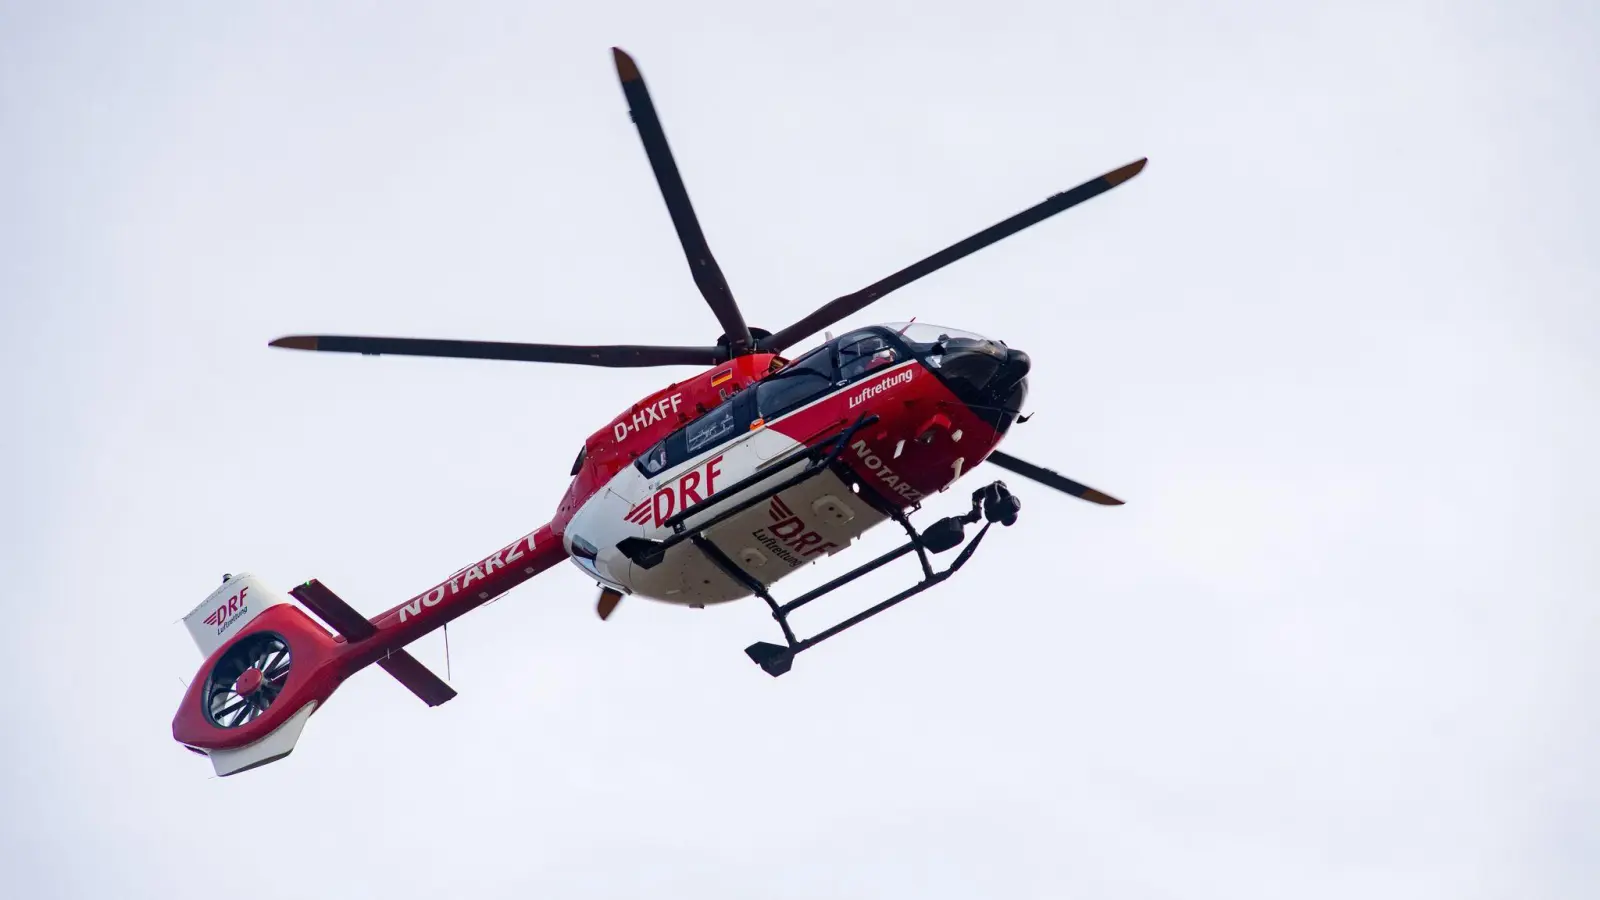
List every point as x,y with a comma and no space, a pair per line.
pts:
709,490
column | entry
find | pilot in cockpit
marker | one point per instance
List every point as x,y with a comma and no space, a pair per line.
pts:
864,356
656,459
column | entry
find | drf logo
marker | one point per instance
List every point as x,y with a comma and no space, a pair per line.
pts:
224,614
788,535
690,488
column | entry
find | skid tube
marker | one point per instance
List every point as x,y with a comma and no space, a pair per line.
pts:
992,502
945,534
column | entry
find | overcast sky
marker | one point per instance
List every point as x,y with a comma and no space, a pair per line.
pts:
1336,347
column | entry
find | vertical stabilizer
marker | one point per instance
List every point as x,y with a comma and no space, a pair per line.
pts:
229,608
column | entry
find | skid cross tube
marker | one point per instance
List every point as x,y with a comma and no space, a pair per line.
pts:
649,553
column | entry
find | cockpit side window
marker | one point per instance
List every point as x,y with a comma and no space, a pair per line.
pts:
804,380
656,458
863,354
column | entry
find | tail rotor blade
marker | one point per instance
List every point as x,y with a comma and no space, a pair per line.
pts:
850,304
1051,478
617,356
707,274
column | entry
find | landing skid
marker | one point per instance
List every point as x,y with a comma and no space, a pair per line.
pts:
992,503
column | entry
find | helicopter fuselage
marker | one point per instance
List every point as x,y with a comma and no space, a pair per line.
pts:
706,491
933,410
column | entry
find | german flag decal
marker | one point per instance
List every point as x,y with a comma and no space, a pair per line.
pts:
722,378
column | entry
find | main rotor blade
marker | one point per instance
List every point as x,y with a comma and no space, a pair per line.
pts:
707,275
618,356
1050,478
851,304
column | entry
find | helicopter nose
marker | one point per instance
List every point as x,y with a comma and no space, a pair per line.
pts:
984,372
1010,388
1014,369
989,377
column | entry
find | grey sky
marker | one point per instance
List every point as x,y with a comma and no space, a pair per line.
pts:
1336,347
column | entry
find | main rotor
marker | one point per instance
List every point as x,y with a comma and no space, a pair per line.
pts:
738,338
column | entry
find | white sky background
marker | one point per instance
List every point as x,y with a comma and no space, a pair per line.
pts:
1336,347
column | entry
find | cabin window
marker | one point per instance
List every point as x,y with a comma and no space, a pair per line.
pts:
577,464
710,429
716,426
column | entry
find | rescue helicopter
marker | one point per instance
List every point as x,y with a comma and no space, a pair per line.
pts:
710,490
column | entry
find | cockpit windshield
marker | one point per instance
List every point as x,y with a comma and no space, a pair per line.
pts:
923,335
933,343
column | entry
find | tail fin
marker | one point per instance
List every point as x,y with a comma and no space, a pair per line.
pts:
228,610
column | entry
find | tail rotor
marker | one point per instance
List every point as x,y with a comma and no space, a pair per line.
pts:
247,679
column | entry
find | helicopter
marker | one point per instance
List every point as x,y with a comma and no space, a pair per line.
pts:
707,491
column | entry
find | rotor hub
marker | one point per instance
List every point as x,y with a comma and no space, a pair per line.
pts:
249,682
756,335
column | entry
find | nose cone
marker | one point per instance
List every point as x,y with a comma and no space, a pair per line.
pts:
969,366
1010,388
983,371
1015,369
989,377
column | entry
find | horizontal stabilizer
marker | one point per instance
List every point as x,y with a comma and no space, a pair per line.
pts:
331,608
417,678
346,620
